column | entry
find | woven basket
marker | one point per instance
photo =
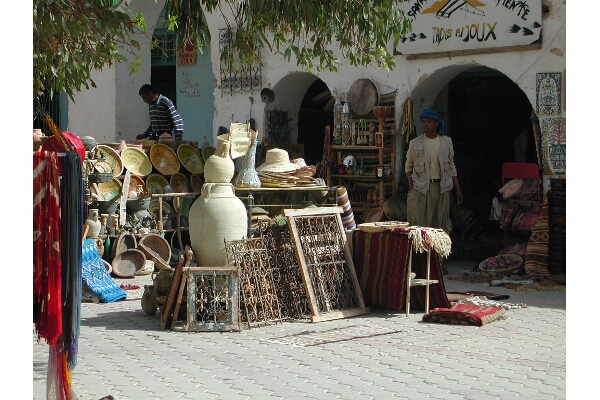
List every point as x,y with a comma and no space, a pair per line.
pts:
127,263
162,281
147,269
125,241
501,264
156,249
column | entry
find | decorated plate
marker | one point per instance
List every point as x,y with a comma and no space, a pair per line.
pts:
164,159
113,158
155,183
110,190
179,183
153,208
190,159
196,183
134,182
136,161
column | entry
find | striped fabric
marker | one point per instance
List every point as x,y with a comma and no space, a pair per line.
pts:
380,261
164,117
344,202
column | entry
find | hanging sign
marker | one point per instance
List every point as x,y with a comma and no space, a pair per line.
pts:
454,25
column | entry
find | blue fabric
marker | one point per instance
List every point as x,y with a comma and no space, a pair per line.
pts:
431,113
96,277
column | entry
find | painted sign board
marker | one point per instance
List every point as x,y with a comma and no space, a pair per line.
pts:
455,25
187,54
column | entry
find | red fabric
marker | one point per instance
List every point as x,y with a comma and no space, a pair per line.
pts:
52,145
465,314
380,261
47,310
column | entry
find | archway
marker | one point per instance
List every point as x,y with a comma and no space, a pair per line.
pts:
485,111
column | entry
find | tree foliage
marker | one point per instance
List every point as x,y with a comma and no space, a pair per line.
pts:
74,37
310,30
71,38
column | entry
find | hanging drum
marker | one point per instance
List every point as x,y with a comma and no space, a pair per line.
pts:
363,96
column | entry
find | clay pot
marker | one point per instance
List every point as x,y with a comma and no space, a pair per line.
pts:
219,168
217,215
93,223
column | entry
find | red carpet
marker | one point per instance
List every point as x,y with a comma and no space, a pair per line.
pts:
465,314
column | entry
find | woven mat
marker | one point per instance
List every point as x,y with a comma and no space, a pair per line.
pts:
465,314
315,338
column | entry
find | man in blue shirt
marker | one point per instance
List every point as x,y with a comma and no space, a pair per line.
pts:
164,117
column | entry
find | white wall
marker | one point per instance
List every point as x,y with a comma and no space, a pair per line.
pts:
114,110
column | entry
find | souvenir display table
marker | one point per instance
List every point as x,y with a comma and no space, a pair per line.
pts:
381,260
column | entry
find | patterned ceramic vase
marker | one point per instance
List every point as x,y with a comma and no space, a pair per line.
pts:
219,167
217,215
248,177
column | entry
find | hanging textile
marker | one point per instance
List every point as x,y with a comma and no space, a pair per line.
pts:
58,215
72,221
408,126
47,311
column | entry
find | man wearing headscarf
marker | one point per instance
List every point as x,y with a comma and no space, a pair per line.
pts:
431,175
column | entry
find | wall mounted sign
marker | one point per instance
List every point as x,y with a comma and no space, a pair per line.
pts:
187,54
454,25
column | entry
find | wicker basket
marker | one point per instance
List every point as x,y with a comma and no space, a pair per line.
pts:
125,241
501,264
162,281
127,263
156,249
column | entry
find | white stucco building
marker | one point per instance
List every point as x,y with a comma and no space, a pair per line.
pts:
485,65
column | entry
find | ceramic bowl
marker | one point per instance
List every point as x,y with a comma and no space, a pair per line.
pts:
180,183
113,158
190,159
164,159
136,161
155,183
134,182
196,183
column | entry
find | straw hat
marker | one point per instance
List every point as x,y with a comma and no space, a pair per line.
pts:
277,160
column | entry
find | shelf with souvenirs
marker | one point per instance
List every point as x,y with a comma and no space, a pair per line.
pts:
365,156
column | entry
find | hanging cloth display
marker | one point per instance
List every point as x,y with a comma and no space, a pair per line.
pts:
47,309
72,222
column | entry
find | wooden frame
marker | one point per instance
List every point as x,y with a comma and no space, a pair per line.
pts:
337,257
168,316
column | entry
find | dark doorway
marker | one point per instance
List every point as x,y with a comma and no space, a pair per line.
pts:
487,111
163,79
316,112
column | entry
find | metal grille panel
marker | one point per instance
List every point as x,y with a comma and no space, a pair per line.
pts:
260,304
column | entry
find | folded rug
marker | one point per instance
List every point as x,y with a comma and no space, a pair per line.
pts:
96,277
465,314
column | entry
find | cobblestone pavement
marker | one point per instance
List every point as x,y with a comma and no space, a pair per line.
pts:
124,353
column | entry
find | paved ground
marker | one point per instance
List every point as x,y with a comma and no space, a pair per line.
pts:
124,353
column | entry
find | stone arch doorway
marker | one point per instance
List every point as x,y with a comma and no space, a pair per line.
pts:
484,111
308,104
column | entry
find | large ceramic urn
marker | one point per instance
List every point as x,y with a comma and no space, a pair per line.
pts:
216,216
